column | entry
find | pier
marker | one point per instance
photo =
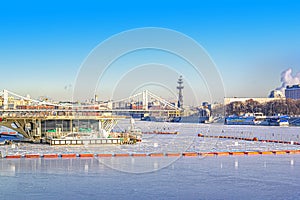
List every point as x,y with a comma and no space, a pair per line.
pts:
35,126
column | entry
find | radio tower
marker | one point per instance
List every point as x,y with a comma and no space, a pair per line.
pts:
180,88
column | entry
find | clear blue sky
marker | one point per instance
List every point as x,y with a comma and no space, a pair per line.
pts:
43,43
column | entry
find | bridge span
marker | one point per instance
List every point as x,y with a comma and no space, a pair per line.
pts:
31,117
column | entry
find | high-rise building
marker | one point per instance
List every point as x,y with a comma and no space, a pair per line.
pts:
292,92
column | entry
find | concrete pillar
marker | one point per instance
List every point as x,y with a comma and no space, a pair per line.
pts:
71,125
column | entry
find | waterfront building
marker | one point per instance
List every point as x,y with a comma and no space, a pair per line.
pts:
292,92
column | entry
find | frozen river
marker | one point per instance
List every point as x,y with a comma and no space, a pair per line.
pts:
186,140
249,177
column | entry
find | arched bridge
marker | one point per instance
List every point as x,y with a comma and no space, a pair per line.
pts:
27,116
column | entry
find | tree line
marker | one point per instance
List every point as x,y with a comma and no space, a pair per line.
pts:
284,107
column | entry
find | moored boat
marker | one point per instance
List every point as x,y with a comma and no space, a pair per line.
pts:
240,120
257,119
280,120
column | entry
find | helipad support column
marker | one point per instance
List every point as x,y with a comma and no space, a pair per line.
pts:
39,128
100,124
5,99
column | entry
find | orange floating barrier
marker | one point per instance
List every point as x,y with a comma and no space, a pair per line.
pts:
50,156
279,152
286,151
13,156
298,150
32,156
294,151
207,154
237,153
296,143
156,155
266,152
73,155
222,153
86,155
252,153
190,154
104,155
200,135
121,155
173,154
165,133
139,155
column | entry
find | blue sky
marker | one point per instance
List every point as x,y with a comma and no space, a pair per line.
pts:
44,43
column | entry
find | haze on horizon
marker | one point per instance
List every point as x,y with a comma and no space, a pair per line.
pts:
43,44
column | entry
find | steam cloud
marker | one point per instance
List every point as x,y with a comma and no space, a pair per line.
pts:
287,78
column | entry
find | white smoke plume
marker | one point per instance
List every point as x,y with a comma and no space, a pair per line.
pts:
287,78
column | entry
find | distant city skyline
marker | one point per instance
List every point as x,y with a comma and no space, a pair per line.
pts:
44,44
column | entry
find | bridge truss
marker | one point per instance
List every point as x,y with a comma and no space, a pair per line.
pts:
27,116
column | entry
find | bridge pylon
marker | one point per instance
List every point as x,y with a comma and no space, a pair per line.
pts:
145,100
5,99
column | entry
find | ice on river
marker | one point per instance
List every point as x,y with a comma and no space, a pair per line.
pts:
186,141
